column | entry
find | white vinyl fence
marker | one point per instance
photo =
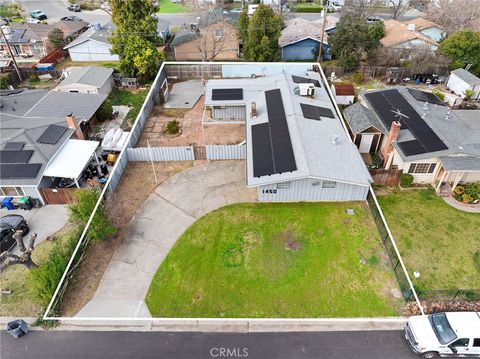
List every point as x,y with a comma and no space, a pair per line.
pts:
180,153
226,152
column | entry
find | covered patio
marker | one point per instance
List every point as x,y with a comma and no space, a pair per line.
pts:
457,169
72,160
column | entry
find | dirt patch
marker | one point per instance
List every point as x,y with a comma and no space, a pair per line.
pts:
134,188
192,131
438,306
290,240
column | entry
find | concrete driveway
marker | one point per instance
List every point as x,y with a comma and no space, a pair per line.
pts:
174,206
44,221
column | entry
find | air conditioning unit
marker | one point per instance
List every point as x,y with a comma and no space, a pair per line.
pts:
306,89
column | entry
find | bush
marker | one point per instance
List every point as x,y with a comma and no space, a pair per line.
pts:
34,79
459,190
43,280
105,111
89,6
173,127
473,190
406,180
4,82
439,94
358,77
466,198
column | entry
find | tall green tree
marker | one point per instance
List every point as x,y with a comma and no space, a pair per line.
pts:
56,38
376,31
242,27
351,40
264,28
462,48
135,37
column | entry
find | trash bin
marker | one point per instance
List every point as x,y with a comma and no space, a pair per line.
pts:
25,202
17,328
7,203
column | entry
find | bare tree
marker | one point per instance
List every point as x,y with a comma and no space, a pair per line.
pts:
360,7
398,7
454,15
25,257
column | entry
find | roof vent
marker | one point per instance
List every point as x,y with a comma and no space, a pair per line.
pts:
307,89
411,27
447,116
335,140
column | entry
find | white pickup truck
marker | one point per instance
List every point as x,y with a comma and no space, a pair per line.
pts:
445,334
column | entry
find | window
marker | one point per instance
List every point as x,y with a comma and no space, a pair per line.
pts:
422,167
219,32
12,191
329,184
476,342
462,342
283,185
442,328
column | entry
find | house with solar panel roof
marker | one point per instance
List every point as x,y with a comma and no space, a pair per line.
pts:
414,131
44,140
297,146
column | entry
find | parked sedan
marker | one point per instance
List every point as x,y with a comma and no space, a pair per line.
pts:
8,225
74,8
71,18
38,14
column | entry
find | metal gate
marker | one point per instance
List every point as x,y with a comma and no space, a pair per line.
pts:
200,153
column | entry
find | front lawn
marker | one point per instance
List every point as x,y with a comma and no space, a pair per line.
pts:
434,239
167,6
131,98
314,7
277,260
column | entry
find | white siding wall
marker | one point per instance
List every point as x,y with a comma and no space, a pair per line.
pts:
417,177
311,190
92,51
459,86
344,100
226,152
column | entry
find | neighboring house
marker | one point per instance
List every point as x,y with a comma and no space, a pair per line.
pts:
31,40
38,128
416,133
344,93
297,148
213,38
163,29
300,40
400,36
461,80
427,28
91,79
93,45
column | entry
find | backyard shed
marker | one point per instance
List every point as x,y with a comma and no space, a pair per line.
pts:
90,79
461,80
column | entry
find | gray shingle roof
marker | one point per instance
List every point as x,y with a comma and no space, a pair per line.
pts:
299,29
466,76
99,35
360,118
461,163
91,75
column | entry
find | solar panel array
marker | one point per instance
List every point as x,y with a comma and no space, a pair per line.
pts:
315,112
15,156
426,97
227,94
14,146
305,80
271,143
52,134
19,171
390,105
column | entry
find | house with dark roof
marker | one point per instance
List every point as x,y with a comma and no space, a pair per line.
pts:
213,37
89,79
297,148
461,80
414,131
93,45
31,40
38,126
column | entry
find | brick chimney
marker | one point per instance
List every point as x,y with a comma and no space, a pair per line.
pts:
392,136
253,112
72,123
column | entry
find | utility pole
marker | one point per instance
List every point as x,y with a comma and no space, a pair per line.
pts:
324,14
11,55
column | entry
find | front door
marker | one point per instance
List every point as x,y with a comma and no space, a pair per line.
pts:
366,142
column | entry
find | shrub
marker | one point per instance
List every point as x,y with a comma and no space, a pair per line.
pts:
466,198
89,6
473,190
4,82
173,127
105,111
439,94
34,79
406,180
358,77
459,190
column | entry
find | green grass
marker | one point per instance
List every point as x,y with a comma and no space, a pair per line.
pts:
167,6
133,99
434,239
234,262
14,278
307,7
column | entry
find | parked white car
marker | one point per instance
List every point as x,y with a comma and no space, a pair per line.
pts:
445,334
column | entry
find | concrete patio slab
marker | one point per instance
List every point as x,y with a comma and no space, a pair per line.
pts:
185,94
174,206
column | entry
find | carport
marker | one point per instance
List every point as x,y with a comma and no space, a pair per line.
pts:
74,156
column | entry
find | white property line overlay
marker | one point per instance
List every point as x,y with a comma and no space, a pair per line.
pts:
123,153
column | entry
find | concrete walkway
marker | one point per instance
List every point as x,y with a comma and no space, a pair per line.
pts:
175,205
471,208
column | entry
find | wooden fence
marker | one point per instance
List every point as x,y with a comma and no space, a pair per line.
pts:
385,177
381,71
58,195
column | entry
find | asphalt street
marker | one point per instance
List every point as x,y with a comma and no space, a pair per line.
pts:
145,345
